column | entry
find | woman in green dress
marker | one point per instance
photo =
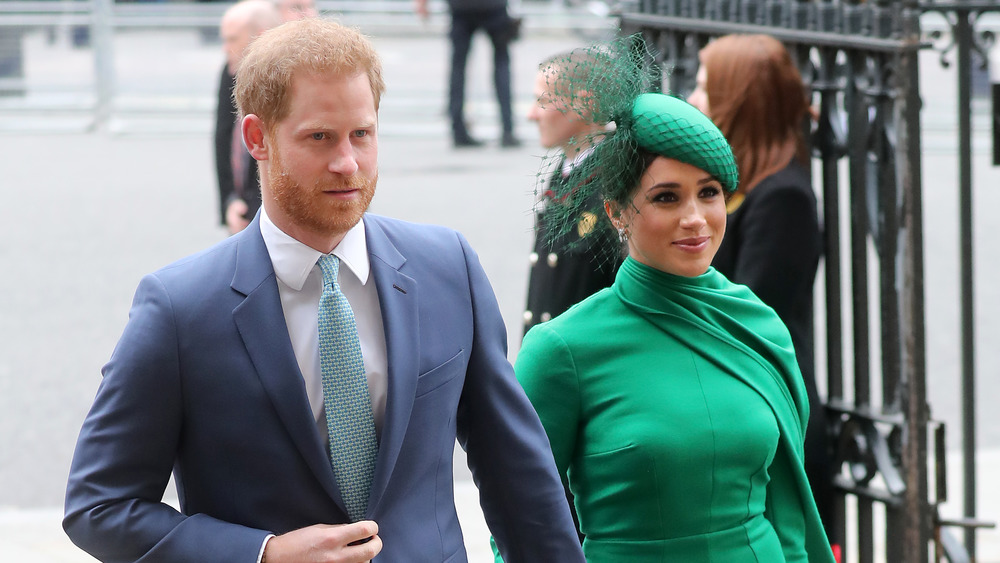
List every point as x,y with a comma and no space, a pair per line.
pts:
672,400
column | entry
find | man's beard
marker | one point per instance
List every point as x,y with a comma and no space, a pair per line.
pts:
310,208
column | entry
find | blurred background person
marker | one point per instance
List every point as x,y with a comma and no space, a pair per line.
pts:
11,62
568,268
292,10
468,16
236,172
751,88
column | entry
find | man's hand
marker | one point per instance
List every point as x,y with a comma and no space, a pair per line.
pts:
325,543
235,216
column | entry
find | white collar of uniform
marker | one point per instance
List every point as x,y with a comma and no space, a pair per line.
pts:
569,165
292,260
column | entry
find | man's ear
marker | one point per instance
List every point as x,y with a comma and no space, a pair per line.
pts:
255,137
613,211
584,103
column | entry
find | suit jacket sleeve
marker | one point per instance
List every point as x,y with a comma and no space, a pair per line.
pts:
225,122
126,451
508,452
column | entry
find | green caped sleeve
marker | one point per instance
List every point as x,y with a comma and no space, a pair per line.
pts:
783,508
547,372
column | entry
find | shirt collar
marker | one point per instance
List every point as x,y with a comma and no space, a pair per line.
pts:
293,261
568,165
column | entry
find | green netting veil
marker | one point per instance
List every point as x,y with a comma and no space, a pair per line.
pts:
615,83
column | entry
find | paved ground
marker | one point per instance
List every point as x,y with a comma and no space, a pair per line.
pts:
87,213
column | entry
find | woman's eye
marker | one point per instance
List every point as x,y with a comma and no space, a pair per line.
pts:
710,191
665,197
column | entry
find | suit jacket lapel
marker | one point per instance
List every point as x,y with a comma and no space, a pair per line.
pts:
397,295
261,323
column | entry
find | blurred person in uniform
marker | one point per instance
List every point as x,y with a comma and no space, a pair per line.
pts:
750,87
236,172
468,16
306,379
565,269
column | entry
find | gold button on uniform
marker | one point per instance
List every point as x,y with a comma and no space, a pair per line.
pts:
586,225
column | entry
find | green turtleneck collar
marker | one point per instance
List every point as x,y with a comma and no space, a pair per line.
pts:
728,325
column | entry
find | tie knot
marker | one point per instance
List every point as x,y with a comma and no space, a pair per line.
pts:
329,265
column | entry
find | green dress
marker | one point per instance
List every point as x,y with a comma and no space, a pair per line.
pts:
676,413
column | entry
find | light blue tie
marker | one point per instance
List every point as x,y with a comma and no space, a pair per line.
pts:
349,419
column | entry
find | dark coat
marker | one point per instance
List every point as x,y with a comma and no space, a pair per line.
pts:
225,122
475,5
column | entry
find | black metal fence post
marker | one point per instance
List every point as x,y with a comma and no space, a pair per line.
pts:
918,516
963,39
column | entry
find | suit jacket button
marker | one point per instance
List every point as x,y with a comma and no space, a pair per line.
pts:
553,259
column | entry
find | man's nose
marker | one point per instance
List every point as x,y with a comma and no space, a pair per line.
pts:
343,161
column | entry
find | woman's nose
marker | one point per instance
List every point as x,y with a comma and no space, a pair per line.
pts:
693,218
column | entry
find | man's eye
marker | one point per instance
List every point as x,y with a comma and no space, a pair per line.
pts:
361,133
319,136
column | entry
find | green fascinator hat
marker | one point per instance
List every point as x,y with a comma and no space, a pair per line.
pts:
621,87
673,128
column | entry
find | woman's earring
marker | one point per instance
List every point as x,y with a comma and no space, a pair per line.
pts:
622,235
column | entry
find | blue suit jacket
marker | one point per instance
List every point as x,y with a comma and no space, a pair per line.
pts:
204,383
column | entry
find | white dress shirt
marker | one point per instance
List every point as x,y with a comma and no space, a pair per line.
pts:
300,285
